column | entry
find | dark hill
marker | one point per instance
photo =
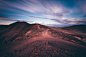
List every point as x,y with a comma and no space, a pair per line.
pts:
2,27
17,30
78,28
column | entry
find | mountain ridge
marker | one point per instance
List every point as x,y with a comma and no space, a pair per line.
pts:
79,28
18,30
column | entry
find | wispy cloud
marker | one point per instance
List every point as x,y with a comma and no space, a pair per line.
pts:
71,21
10,19
84,16
6,19
50,9
35,16
38,6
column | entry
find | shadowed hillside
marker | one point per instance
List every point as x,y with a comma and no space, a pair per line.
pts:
77,28
2,27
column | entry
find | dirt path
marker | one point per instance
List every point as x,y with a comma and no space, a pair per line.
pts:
46,37
43,46
45,34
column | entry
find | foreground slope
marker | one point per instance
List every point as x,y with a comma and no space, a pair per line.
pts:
35,40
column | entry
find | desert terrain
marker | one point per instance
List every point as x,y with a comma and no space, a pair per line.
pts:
21,39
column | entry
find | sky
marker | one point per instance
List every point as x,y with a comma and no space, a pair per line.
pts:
47,12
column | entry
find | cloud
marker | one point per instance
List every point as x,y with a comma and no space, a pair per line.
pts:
71,21
57,20
77,21
44,7
37,6
84,16
4,17
14,20
49,9
80,6
1,12
35,16
9,19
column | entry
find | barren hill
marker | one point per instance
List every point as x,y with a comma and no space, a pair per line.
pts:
35,40
77,28
18,30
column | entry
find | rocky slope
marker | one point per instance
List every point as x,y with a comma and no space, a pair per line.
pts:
21,39
18,31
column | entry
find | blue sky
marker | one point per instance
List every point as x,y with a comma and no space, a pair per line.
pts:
46,12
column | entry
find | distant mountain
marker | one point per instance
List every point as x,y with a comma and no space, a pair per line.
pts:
78,28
